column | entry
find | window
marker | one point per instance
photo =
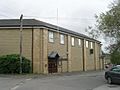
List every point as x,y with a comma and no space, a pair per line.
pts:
115,69
62,39
51,37
73,41
79,42
91,51
86,44
91,44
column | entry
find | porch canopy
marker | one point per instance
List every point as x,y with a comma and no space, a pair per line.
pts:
53,56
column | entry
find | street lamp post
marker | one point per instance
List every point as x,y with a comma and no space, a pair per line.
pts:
21,41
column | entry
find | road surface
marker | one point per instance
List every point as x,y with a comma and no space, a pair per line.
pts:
68,81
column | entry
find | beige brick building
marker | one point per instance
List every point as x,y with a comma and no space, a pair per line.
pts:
51,49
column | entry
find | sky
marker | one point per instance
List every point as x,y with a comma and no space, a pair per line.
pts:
75,15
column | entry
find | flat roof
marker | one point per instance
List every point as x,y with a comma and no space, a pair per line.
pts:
37,23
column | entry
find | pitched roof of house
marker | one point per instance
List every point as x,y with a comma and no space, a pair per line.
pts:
37,23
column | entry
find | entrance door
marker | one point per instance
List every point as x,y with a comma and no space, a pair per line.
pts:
52,66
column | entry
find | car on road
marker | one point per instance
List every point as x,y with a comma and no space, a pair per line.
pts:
113,75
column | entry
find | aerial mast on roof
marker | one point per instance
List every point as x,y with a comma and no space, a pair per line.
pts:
57,21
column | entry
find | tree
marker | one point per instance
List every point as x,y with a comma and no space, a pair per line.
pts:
108,23
115,57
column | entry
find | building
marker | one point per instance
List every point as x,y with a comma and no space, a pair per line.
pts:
50,48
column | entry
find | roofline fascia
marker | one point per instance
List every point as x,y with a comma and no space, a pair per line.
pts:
13,27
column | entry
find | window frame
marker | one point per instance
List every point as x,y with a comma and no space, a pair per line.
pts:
62,39
91,45
72,41
51,36
87,44
79,42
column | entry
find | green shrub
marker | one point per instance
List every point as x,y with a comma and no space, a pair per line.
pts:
115,57
11,64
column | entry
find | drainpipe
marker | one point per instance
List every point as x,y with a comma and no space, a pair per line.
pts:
32,51
83,55
68,53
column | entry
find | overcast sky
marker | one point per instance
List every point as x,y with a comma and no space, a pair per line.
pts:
75,15
72,14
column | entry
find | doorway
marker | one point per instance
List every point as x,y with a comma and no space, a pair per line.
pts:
52,66
53,59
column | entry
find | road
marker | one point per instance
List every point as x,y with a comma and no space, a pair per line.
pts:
67,81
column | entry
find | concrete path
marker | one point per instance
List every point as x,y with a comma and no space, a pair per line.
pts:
108,87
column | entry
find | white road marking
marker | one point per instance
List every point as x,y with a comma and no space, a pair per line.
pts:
17,86
28,79
20,83
14,88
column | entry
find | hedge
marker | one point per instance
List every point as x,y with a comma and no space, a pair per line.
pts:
10,64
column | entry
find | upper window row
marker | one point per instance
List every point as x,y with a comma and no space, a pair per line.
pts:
79,43
51,37
73,41
87,44
62,40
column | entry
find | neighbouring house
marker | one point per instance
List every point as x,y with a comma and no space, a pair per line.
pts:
50,48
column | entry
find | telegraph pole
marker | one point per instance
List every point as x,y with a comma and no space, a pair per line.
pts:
21,41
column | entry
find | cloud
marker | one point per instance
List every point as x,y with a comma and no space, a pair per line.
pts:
73,14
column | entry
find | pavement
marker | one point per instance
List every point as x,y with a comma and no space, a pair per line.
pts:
108,87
